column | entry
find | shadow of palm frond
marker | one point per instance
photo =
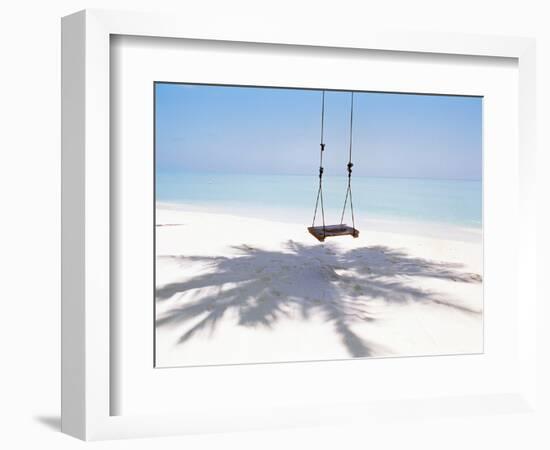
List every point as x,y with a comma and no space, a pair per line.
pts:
263,286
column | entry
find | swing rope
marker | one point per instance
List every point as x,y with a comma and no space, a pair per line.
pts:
350,165
321,170
320,190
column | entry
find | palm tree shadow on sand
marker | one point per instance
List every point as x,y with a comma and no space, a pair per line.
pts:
262,286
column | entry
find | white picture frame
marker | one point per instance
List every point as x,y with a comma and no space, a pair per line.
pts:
87,355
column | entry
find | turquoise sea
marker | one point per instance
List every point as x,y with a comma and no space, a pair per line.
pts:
292,197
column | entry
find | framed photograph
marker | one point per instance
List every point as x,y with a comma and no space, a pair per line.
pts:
244,274
263,229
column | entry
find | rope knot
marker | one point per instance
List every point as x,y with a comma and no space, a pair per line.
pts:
321,170
350,165
322,147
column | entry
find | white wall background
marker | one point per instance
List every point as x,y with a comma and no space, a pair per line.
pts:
29,224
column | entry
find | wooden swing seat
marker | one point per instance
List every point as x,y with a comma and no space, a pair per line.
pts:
320,232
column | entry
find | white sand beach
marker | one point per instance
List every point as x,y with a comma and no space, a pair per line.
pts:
234,289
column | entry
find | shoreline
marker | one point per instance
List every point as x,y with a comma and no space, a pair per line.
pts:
394,225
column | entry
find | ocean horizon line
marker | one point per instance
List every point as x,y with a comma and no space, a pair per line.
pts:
312,174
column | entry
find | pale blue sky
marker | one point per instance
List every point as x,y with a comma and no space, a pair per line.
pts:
276,131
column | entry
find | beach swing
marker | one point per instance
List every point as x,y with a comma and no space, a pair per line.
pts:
323,231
